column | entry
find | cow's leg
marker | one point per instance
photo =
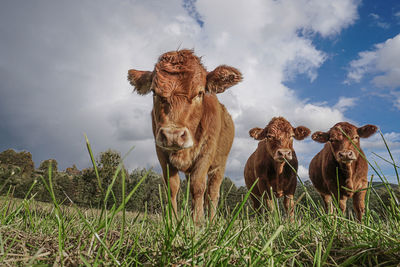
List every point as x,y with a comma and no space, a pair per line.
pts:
198,185
342,204
256,198
327,203
288,203
359,204
256,202
170,175
174,183
265,191
270,202
214,183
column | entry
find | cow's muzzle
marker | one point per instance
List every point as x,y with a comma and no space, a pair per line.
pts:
282,154
171,138
346,156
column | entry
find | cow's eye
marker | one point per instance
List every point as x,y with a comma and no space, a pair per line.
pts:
270,136
162,99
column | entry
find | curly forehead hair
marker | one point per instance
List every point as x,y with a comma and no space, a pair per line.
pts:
348,128
178,61
279,124
177,72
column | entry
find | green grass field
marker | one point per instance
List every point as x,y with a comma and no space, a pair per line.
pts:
36,233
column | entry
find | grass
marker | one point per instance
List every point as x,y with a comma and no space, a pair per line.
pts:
35,233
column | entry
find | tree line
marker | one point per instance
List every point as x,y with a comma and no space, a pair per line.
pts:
18,174
82,187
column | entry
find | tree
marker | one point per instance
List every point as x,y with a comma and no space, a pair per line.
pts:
147,195
21,159
73,171
107,163
87,190
44,165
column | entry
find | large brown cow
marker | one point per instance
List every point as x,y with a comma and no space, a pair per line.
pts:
340,161
268,163
193,131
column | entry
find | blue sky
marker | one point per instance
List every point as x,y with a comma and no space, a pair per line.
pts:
63,67
378,21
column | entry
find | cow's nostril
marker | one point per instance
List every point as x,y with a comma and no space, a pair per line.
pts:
163,137
183,134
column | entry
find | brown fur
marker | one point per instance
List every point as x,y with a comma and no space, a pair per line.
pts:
272,172
193,130
339,156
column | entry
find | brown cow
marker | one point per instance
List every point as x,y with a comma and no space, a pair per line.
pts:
268,163
340,160
193,131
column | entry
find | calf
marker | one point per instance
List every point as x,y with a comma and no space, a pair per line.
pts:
268,162
340,161
193,131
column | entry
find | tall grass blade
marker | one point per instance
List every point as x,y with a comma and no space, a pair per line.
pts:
93,163
230,224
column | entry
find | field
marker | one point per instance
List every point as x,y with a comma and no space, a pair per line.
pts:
37,233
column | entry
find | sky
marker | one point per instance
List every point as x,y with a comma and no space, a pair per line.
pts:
63,72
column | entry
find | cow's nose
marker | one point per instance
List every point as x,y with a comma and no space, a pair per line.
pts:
175,137
347,155
284,154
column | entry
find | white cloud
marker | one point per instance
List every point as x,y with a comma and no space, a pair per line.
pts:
396,101
361,66
383,65
378,155
344,103
302,172
379,22
376,142
374,16
71,69
383,62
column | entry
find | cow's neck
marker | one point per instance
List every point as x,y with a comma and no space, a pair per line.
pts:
346,173
345,170
277,167
275,175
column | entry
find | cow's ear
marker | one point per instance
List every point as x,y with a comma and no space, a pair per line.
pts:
222,78
320,137
141,80
257,133
367,130
301,132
